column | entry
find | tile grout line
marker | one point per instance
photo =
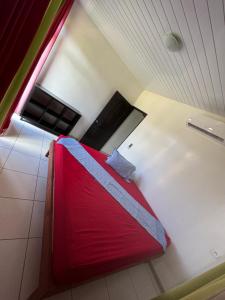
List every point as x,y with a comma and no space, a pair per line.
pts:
25,172
20,171
132,283
11,148
24,263
19,134
23,199
107,288
156,277
21,152
39,157
25,238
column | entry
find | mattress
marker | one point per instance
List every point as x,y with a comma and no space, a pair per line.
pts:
92,234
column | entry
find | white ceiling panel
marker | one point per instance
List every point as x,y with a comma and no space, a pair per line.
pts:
195,75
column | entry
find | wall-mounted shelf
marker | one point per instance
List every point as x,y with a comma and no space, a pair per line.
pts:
45,110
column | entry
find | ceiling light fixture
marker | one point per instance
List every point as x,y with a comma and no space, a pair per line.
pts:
172,41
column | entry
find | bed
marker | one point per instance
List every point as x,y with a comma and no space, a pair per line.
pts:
87,234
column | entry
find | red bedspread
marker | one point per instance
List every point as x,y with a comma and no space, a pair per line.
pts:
93,234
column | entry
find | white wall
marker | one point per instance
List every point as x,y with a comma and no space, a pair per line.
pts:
182,174
85,71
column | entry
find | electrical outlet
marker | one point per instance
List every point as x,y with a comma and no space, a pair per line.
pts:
215,253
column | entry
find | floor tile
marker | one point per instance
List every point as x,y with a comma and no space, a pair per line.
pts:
31,269
144,282
46,143
28,147
31,130
15,217
29,141
4,152
13,131
96,290
40,194
62,296
170,269
17,185
37,219
50,136
17,119
7,141
43,168
21,162
30,135
45,147
15,126
43,155
120,286
12,253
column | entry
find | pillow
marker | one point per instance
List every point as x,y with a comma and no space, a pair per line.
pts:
122,166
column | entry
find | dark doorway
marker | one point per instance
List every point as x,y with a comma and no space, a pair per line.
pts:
108,121
125,129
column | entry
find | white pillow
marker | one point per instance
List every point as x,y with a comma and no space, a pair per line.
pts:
121,165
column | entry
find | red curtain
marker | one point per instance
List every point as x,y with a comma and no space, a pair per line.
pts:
35,10
19,20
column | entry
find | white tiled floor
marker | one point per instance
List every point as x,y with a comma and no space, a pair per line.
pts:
36,226
4,153
23,172
15,215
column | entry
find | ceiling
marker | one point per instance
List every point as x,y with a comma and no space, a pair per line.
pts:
196,74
